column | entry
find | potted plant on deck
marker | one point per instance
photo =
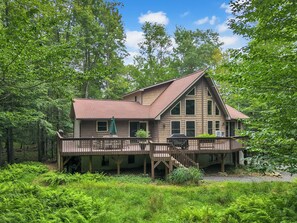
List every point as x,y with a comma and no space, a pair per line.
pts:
142,134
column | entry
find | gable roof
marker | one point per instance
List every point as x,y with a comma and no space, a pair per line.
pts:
173,92
105,109
235,114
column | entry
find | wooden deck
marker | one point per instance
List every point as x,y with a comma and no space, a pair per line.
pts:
135,146
175,152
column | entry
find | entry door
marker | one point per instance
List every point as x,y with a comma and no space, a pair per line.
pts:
230,129
134,126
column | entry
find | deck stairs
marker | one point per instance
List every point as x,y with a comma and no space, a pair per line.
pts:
176,163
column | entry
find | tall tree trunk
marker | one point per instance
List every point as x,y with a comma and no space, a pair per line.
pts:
9,145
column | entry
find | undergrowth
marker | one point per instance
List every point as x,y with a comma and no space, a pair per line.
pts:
31,193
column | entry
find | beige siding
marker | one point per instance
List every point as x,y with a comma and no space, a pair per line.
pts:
134,97
88,128
201,117
150,95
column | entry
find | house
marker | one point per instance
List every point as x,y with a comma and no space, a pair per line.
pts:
190,105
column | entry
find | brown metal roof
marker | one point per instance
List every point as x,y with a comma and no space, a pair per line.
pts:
235,114
173,92
105,109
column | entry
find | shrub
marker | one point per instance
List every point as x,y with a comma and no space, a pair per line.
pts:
206,135
142,133
183,175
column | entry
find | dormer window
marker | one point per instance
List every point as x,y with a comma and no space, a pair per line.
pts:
176,109
135,98
192,92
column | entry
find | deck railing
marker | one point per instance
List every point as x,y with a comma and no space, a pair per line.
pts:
132,145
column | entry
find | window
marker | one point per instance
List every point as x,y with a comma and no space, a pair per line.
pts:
209,127
217,110
131,159
208,93
135,98
176,110
102,126
217,125
190,107
209,107
190,128
192,92
175,127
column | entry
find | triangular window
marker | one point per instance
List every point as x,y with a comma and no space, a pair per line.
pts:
192,92
176,109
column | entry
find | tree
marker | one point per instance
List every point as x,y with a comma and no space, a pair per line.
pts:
98,34
153,63
265,74
195,50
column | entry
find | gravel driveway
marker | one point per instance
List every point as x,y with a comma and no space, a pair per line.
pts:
285,177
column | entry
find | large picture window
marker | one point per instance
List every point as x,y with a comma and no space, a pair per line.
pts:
190,128
209,107
102,126
190,107
175,127
209,127
176,109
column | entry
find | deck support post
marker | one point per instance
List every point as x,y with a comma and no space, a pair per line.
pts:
223,162
144,166
90,163
236,154
118,167
153,169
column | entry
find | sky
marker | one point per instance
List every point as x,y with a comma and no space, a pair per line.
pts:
190,14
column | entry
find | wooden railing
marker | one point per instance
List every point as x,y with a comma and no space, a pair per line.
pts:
117,145
112,145
215,144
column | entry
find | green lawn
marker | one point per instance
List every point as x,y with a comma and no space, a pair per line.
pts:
31,193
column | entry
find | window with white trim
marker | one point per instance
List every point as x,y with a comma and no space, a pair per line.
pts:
190,107
217,110
190,128
176,109
102,126
217,125
192,92
175,127
209,107
209,127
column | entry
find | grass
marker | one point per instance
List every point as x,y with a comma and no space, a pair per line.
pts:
31,193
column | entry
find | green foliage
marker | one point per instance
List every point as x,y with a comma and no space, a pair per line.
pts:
142,133
206,135
98,198
182,175
262,76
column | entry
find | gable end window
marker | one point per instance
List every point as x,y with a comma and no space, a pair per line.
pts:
192,92
176,109
190,107
102,126
209,107
217,125
217,110
208,93
175,127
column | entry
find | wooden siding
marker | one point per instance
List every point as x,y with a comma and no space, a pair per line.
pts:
88,128
131,97
150,95
201,117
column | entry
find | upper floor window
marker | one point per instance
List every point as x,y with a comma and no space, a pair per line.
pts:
217,110
102,126
190,107
175,127
176,109
190,128
192,92
209,107
208,93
